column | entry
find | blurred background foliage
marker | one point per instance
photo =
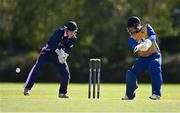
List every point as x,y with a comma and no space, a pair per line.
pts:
26,25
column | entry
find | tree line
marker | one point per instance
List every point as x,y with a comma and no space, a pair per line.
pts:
26,25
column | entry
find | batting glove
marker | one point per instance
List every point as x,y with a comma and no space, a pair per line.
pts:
144,46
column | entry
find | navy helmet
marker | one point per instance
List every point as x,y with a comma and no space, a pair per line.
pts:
133,21
71,26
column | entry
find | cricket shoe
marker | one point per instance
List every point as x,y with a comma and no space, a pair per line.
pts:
155,97
61,95
26,92
127,98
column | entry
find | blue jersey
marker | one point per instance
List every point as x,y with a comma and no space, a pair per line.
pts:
146,32
60,40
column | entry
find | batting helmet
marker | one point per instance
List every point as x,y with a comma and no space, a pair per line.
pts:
71,26
133,21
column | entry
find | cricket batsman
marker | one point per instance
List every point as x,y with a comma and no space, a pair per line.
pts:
143,42
56,50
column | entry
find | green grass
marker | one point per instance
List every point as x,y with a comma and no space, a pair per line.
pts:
44,99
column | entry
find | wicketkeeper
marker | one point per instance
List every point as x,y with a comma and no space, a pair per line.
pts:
56,50
143,41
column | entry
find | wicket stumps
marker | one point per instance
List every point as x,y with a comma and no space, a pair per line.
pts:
94,77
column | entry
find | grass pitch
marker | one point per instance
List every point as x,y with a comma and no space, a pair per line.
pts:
44,98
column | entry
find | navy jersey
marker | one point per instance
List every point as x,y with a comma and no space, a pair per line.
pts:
60,40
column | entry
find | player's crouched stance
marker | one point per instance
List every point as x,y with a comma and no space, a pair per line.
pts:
143,41
56,51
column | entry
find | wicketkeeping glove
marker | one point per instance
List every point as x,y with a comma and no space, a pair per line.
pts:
62,56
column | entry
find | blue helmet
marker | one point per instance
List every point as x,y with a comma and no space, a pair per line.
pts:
71,26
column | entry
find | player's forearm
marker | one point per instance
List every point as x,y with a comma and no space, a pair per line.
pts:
132,42
52,44
52,47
